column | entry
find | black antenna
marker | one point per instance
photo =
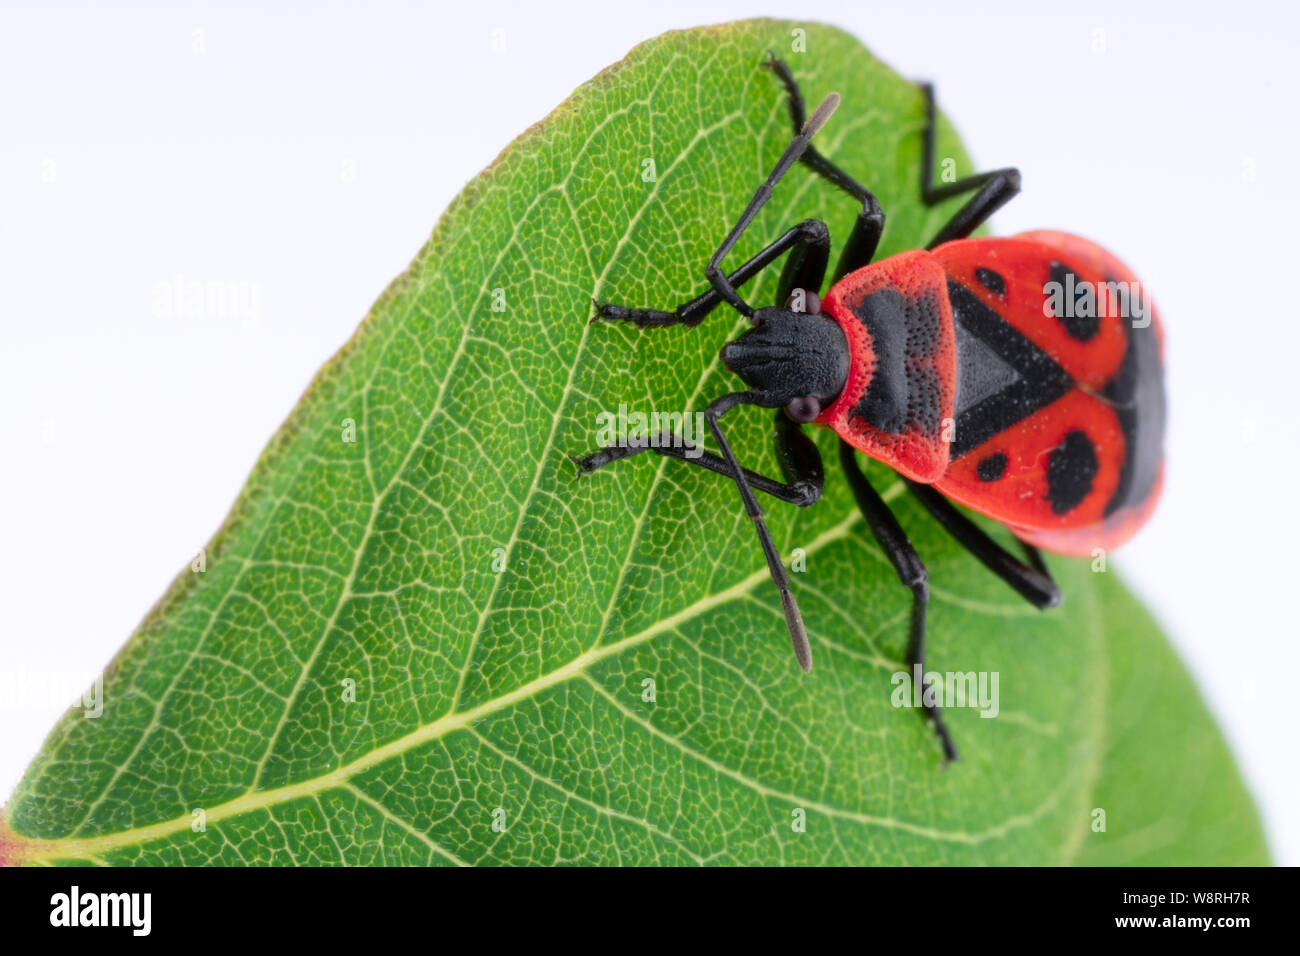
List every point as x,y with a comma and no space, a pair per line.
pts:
780,577
764,192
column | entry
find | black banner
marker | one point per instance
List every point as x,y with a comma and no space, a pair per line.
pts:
332,906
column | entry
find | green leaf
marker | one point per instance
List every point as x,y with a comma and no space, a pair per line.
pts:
515,697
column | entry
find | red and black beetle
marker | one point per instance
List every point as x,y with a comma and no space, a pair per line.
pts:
1022,377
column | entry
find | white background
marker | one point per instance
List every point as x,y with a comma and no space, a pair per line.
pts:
305,155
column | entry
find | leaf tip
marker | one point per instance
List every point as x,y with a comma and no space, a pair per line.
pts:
12,845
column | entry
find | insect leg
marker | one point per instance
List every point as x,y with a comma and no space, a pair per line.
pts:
863,240
1034,583
1035,558
907,564
801,463
811,242
995,188
861,247
797,455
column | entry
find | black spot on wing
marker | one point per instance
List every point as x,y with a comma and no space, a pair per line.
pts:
991,280
1071,468
992,467
1078,313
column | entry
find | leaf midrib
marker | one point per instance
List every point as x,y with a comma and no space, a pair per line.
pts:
80,847
36,851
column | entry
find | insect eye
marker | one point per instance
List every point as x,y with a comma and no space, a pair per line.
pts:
804,409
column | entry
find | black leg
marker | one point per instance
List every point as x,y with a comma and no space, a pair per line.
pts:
797,455
1034,584
812,157
995,188
801,463
907,564
865,238
1035,558
811,243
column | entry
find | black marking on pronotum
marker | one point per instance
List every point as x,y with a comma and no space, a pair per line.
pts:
1071,468
1081,328
992,467
1037,381
902,392
884,404
991,280
923,321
